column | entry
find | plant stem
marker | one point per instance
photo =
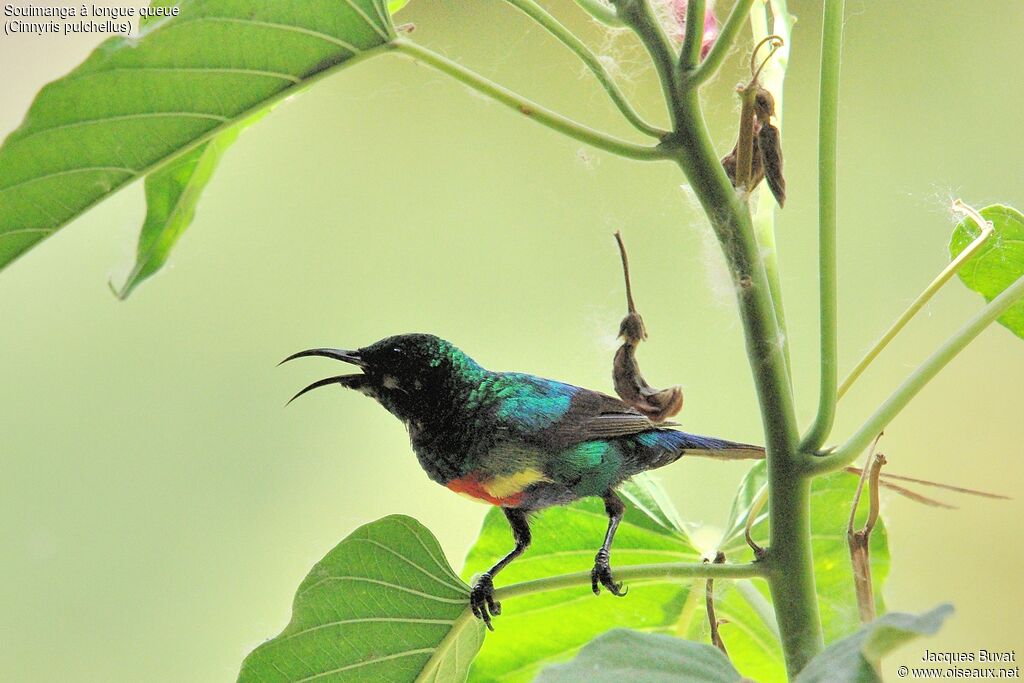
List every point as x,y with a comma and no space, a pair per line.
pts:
667,570
942,278
772,76
597,9
637,14
849,451
544,116
567,38
828,115
700,74
789,561
693,37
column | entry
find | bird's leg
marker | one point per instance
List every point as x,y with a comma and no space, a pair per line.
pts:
601,574
481,598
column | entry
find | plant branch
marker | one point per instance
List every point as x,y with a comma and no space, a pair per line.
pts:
773,76
602,12
942,278
828,115
669,571
849,451
567,38
788,557
637,14
542,115
693,36
700,74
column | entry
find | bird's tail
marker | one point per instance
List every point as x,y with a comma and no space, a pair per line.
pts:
655,449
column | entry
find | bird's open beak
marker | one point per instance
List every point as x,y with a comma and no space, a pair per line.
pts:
353,381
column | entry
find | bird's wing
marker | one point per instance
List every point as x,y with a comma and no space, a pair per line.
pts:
560,415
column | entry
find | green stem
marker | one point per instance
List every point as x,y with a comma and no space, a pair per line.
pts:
542,115
828,115
849,451
942,278
773,77
700,74
693,37
789,560
602,12
637,14
567,38
669,571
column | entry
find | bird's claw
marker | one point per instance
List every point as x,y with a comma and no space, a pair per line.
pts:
482,602
601,575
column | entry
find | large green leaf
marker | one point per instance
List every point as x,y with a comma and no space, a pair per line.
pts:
138,102
751,642
624,655
999,261
384,605
856,659
543,628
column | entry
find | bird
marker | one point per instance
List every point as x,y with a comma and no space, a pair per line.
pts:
513,440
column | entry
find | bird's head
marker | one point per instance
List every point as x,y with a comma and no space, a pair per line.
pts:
408,374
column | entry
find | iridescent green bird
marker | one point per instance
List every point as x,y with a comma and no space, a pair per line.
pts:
513,440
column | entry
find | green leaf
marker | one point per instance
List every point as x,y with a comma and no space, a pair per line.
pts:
395,5
383,605
171,197
998,263
542,628
624,655
752,645
856,659
137,103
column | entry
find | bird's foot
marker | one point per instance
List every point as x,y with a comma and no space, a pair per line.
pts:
481,600
601,575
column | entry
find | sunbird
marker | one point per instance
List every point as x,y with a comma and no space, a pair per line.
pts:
513,440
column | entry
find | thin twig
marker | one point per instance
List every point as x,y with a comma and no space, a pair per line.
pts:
625,272
859,539
590,60
942,278
917,380
863,478
709,599
527,108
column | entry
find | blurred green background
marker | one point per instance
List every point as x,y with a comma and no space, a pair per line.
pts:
159,506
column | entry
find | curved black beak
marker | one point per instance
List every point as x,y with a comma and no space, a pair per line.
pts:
337,354
350,381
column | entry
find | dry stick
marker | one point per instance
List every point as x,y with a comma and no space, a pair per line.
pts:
748,93
709,599
947,487
858,539
630,306
752,454
657,404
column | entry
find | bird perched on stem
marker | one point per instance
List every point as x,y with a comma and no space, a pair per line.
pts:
513,440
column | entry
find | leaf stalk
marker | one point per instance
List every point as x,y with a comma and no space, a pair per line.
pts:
590,60
917,380
828,123
538,113
924,297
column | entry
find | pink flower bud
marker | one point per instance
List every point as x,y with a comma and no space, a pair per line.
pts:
711,25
